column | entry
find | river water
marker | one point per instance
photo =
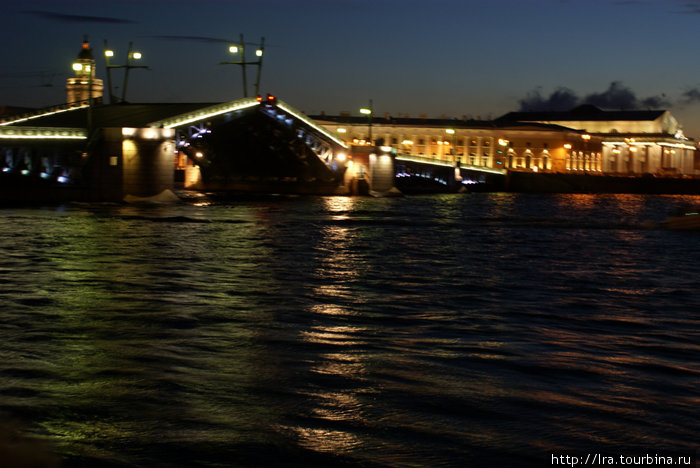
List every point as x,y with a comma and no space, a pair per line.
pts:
444,330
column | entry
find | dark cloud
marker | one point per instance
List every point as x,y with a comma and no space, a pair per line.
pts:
691,96
65,18
208,40
656,102
562,99
630,2
682,7
616,97
688,6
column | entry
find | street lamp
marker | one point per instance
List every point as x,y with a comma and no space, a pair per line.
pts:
368,112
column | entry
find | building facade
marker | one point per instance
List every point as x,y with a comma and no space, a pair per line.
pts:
585,140
515,146
634,142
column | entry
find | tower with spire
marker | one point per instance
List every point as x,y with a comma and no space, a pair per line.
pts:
84,84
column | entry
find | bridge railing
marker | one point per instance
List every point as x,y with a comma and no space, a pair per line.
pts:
205,113
42,133
299,115
15,119
444,163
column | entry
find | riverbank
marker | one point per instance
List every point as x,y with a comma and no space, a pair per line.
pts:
533,182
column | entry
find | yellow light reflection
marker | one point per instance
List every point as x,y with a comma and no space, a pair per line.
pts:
345,365
324,440
338,406
339,204
339,335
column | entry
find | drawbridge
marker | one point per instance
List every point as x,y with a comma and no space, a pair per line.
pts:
257,144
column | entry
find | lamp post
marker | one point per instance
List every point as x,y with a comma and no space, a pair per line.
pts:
109,53
131,55
368,112
259,54
239,48
585,137
453,149
504,143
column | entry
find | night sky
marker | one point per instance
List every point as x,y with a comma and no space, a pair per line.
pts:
456,58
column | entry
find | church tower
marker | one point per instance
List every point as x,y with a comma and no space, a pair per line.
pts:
84,84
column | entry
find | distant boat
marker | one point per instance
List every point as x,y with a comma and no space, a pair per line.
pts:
687,219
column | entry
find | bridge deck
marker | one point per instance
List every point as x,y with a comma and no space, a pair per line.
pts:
446,163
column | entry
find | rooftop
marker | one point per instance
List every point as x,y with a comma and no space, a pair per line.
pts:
585,112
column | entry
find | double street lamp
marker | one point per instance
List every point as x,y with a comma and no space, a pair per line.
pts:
131,56
240,49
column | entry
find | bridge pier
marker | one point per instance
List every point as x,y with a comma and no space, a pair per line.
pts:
108,166
371,171
134,161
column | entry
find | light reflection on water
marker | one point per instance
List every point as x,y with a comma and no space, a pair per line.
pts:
397,332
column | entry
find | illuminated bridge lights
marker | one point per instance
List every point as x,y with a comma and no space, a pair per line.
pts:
206,113
629,143
242,104
286,107
437,162
42,133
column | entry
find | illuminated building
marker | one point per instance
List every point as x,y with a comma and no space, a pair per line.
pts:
84,84
634,142
519,146
586,140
